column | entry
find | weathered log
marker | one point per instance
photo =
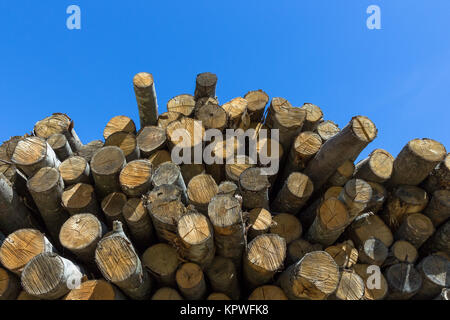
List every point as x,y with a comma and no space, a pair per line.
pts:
159,157
264,257
32,154
286,226
254,187
150,139
237,114
106,165
403,281
229,188
183,103
439,178
191,281
297,249
144,89
87,151
345,145
165,215
166,293
415,162
257,101
139,222
443,295
344,254
379,196
373,251
327,129
80,235
377,167
369,225
222,276
80,198
294,194
212,116
190,170
438,209
205,85
126,142
135,177
112,206
416,229
60,145
351,286
314,277
259,222
170,173
164,119
58,123
268,292
75,170
313,116
374,289
440,241
435,272
119,124
119,263
162,262
218,296
201,189
95,290
401,251
9,285
49,276
23,295
196,239
222,152
356,195
233,170
342,175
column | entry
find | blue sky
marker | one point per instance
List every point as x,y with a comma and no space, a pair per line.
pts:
305,51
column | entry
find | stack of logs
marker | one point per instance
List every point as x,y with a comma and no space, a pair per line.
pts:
118,219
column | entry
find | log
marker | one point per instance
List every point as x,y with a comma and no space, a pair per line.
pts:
225,215
201,189
162,261
268,292
222,152
443,295
191,281
297,249
257,101
60,145
438,209
351,286
32,154
144,89
356,195
196,239
294,194
375,292
106,165
150,139
313,116
314,277
254,188
166,293
327,129
331,220
75,170
416,229
170,173
120,264
58,123
49,276
440,241
205,85
95,290
80,198
9,285
47,187
369,225
402,201
415,162
200,102
342,175
165,216
259,222
222,276
14,214
233,170
88,150
373,251
435,272
286,226
377,167
403,281
212,116
218,296
238,117
112,206
228,188
345,145
119,124
183,103
264,257
190,170
126,142
164,119
401,251
159,157
379,196
139,222
135,178
80,235
439,178
21,246
23,295
344,254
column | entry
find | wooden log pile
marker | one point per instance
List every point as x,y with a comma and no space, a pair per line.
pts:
120,218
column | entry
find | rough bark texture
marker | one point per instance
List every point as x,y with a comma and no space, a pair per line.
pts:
144,89
223,277
151,139
438,209
379,196
170,173
257,101
162,261
205,85
294,194
343,174
439,178
416,229
106,165
191,281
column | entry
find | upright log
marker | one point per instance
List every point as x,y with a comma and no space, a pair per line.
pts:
205,85
183,103
60,145
313,116
112,206
106,165
222,276
439,178
259,222
254,187
416,229
119,263
87,151
144,89
438,209
286,226
401,251
345,145
150,139
268,292
435,272
126,142
139,222
403,281
377,167
165,215
80,198
162,262
135,178
327,129
75,170
95,290
238,117
119,124
169,173
191,281
294,194
257,101
9,285
201,189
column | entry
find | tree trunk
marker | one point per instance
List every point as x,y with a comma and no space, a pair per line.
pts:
144,89
222,276
268,292
190,170
159,157
313,116
254,187
238,117
201,189
401,251
257,101
438,209
205,85
106,165
139,222
183,103
356,195
95,290
403,281
80,198
119,124
126,142
75,170
439,178
233,170
344,254
286,226
88,150
342,175
162,261
165,216
60,145
369,225
379,196
373,251
298,248
9,285
377,167
327,129
191,281
170,173
435,272
259,222
416,229
135,178
112,206
212,116
164,119
294,194
151,139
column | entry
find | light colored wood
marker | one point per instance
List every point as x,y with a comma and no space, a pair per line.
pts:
268,292
135,177
438,209
150,139
223,277
298,248
106,165
286,226
95,290
75,170
259,222
159,157
144,89
374,293
401,251
229,188
369,225
162,262
377,167
9,285
212,116
373,252
60,145
87,151
166,293
112,206
234,170
343,174
416,229
139,222
201,189
254,187
313,116
351,286
119,124
257,101
327,129
439,178
80,198
294,194
126,142
183,103
238,117
356,195
191,281
344,254
205,85
170,173
403,281
435,272
165,215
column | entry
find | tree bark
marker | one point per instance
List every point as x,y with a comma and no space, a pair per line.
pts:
139,222
165,216
379,196
438,209
439,178
222,276
257,101
416,229
377,167
369,225
144,89
294,194
106,165
205,85
60,145
170,173
162,261
191,281
435,272
342,175
151,139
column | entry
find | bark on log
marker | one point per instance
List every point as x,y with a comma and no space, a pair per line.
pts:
60,145
440,241
162,261
342,175
344,254
233,170
373,293
238,117
183,103
286,226
212,116
80,198
401,251
438,209
264,257
369,225
95,290
139,222
9,285
135,178
373,251
191,281
439,178
254,187
190,170
165,216
356,195
403,281
205,85
294,194
416,229
313,116
435,272
75,170
327,129
377,167
351,286
126,142
379,196
119,124
80,235
443,295
88,150
159,157
201,189
298,248
112,206
144,89
259,222
106,165
49,276
415,162
170,173
222,276
314,277
32,154
150,139
268,292
257,101
345,145
119,263
166,293
164,119
21,246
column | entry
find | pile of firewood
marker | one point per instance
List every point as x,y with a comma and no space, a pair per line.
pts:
118,219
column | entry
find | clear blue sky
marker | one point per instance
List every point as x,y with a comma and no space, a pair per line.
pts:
305,51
